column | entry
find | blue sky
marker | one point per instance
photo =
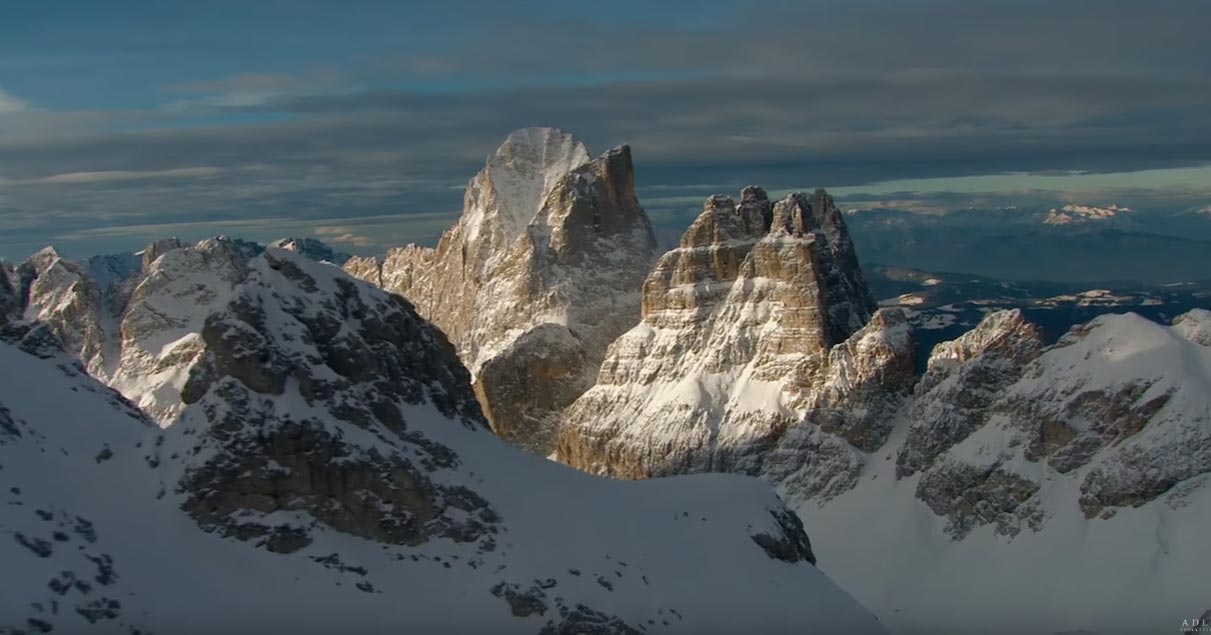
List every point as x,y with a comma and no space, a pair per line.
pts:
361,121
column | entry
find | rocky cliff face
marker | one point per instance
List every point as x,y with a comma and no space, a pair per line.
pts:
10,297
759,351
538,276
331,449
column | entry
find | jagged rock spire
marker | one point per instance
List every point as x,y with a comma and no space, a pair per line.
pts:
757,342
536,278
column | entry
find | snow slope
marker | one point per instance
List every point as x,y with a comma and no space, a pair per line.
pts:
1140,571
1108,436
109,525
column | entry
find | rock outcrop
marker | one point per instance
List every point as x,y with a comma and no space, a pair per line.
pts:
538,276
964,377
61,294
134,321
759,352
10,297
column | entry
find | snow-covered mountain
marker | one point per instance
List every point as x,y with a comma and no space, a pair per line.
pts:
312,248
537,277
328,470
1071,213
1008,464
1038,490
749,326
134,320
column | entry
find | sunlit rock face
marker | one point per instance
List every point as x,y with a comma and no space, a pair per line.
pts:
759,351
537,277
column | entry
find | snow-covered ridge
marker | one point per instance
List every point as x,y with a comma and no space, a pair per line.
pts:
133,320
1063,472
1072,213
313,249
330,469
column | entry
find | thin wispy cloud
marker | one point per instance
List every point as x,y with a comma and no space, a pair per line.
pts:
10,104
106,176
343,235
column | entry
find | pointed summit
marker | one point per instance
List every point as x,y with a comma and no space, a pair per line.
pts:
535,279
510,191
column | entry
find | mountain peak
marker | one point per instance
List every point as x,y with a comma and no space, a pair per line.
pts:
312,248
535,279
516,179
43,258
158,248
1073,213
746,328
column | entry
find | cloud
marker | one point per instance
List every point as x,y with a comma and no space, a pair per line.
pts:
343,235
106,176
240,83
10,104
250,90
782,94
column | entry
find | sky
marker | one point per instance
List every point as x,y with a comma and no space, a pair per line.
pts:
360,122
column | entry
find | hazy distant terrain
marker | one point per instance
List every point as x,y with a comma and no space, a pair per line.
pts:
1023,245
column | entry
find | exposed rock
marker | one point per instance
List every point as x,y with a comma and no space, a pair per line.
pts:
152,252
790,544
161,331
10,301
970,496
1070,409
522,603
963,378
756,348
537,277
582,620
61,295
9,427
362,359
858,392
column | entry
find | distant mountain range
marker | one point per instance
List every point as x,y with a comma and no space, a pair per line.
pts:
1070,243
943,306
